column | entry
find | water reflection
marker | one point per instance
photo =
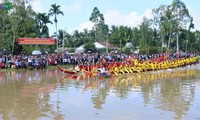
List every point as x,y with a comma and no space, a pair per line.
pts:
166,90
174,94
49,94
25,94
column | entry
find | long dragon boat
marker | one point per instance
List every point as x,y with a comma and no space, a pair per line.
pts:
133,66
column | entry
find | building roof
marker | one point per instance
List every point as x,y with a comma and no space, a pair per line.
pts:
105,44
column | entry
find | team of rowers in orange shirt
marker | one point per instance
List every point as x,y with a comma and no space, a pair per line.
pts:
131,65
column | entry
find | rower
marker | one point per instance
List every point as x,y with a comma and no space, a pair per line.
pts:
103,71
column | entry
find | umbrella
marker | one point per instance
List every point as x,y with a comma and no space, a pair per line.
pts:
36,52
10,61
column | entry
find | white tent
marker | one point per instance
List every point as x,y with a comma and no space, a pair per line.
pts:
99,46
80,49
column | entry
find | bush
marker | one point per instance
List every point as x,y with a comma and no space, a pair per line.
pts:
90,47
72,50
127,50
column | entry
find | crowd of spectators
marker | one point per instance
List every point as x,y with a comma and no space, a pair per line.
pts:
42,61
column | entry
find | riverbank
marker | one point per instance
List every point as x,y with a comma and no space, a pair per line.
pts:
47,67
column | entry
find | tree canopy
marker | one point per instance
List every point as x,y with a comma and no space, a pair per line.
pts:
171,30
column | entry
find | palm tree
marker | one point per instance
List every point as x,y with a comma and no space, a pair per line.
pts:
54,11
42,21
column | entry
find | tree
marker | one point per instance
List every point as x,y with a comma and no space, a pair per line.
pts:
89,47
162,19
180,17
101,29
54,11
68,42
21,22
61,38
135,37
188,32
42,20
96,16
196,43
171,19
4,30
120,35
146,36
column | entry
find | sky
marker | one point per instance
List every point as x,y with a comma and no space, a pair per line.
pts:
116,12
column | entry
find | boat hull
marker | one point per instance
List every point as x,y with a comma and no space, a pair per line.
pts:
66,71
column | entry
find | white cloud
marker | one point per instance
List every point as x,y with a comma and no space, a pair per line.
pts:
86,25
114,17
196,18
37,6
75,7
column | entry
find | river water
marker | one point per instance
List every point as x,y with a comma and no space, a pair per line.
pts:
172,94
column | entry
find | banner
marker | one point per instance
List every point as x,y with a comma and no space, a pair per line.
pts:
5,6
36,41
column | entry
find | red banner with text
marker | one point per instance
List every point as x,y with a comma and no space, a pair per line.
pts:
36,41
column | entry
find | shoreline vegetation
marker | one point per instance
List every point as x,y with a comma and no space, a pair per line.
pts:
170,29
